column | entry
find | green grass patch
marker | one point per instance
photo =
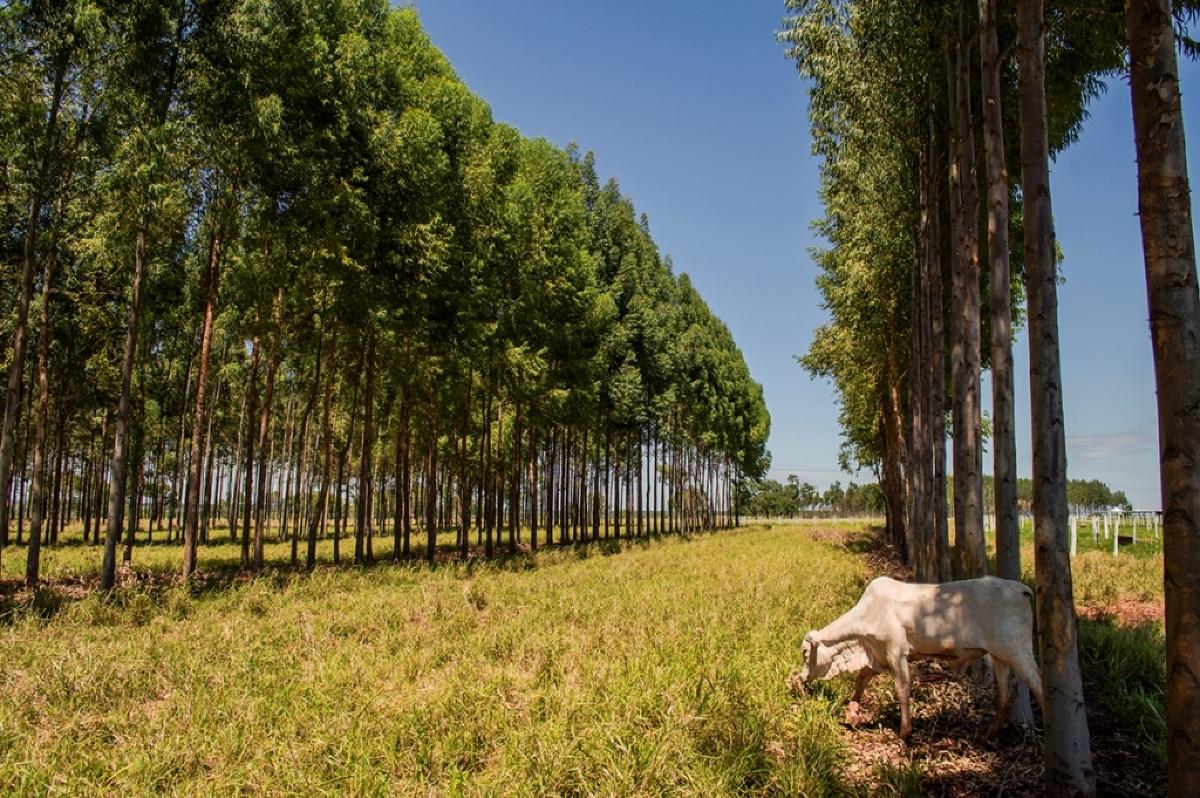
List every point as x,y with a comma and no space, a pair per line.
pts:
1124,670
647,667
659,671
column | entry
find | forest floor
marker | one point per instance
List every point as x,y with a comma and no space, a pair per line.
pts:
631,668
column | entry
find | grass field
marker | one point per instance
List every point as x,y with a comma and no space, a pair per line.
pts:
635,669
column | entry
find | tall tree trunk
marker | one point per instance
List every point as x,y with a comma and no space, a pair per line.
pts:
177,474
285,470
968,460
430,479
38,500
302,466
318,512
363,512
551,471
920,449
464,485
534,493
1004,434
341,513
135,494
59,463
191,526
405,503
514,498
1067,748
637,445
937,364
596,492
208,459
341,495
251,410
486,477
264,430
99,482
1164,206
1004,439
399,523
236,465
116,489
894,456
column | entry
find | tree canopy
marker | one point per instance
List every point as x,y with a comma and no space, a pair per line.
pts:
340,283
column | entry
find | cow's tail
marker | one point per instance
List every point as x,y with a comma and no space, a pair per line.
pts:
1032,597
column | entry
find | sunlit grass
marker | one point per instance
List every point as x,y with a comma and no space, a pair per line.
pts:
619,668
659,670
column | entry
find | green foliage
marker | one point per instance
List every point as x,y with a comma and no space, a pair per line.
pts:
1084,494
320,165
768,498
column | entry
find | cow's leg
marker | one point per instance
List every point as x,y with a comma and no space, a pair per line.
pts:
1004,695
1027,670
899,666
860,686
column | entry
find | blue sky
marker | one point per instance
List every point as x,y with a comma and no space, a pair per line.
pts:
696,111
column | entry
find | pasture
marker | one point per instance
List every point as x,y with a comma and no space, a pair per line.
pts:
616,668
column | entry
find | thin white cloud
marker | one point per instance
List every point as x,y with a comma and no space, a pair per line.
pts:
1109,446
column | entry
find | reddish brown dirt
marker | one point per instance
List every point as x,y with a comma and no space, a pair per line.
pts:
1126,612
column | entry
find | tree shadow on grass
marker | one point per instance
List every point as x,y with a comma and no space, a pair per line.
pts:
220,569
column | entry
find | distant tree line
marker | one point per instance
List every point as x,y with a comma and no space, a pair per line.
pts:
1083,494
769,498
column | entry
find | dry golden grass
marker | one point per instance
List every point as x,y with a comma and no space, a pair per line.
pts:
643,668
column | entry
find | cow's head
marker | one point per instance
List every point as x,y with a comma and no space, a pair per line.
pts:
810,650
822,661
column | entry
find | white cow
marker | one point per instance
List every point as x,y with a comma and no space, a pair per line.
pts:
895,622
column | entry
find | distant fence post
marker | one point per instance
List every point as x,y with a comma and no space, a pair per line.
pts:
1074,534
1095,530
1116,535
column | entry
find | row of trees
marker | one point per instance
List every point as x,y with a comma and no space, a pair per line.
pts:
269,263
769,498
917,114
1083,495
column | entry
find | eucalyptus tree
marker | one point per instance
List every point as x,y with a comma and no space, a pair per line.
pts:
49,52
547,289
1165,213
1067,747
868,135
1004,445
966,359
221,105
73,40
323,264
146,71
